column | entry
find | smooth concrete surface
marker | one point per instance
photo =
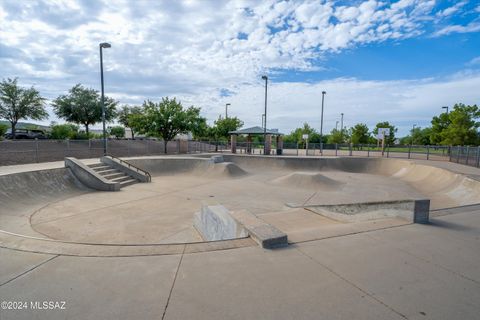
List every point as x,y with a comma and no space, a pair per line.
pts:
380,269
409,272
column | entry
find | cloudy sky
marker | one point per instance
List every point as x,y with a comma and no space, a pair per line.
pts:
397,61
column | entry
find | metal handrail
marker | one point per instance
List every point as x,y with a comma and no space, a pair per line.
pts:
133,166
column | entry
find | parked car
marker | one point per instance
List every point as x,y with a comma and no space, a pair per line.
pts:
26,134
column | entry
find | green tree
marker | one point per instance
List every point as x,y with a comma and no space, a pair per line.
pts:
359,134
63,131
83,106
463,126
222,127
439,125
338,136
126,116
296,136
3,130
166,119
391,138
18,103
117,131
419,136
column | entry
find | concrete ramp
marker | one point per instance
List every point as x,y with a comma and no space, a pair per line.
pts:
307,180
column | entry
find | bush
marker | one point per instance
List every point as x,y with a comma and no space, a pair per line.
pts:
117,131
64,131
3,130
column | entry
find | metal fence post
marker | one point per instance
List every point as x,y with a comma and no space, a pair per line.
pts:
350,149
36,150
368,150
297,149
409,150
336,149
458,154
468,154
478,157
428,152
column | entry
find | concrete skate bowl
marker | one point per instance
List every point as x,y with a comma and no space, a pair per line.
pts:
50,211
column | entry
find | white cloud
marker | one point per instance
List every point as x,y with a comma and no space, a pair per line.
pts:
452,9
193,49
471,27
474,62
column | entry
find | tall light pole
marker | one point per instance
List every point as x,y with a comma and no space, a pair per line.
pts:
445,107
265,122
263,119
103,45
341,123
413,131
336,125
226,110
321,123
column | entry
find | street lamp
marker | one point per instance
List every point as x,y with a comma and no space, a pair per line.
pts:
413,131
263,119
103,45
336,125
321,124
265,122
341,126
445,107
226,110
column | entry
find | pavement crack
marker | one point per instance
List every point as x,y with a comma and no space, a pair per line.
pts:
173,283
456,273
29,270
371,295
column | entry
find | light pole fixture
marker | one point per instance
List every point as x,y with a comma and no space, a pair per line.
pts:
265,122
226,110
102,46
336,125
321,123
341,123
445,107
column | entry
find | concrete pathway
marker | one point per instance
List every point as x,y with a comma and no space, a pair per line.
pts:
404,272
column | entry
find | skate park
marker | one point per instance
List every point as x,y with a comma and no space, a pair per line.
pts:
305,198
348,224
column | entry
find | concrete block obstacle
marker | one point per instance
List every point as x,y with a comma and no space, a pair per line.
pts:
215,222
266,235
421,211
415,211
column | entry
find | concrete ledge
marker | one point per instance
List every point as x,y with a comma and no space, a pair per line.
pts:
416,211
266,235
215,223
125,169
421,211
89,177
216,159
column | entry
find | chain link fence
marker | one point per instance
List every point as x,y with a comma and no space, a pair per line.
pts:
32,151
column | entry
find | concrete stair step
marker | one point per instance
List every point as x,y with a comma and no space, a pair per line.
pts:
121,179
128,182
107,171
95,165
97,169
114,175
